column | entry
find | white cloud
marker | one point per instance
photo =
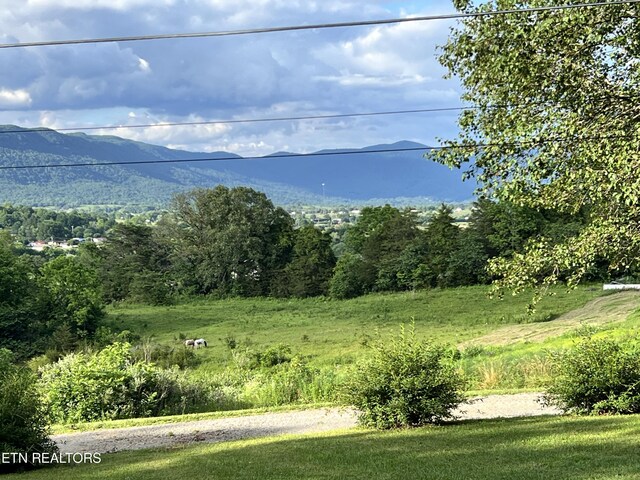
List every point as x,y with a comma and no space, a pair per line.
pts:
144,65
360,80
402,50
93,4
14,98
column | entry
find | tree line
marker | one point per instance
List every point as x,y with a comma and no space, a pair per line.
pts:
27,224
236,242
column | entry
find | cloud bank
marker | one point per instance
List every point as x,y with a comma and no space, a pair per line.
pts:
312,72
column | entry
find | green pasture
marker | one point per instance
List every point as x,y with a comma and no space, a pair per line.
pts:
333,332
591,448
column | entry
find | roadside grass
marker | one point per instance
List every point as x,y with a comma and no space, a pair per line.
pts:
547,448
331,332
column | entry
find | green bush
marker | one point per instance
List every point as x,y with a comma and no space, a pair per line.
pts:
108,385
23,426
596,376
274,355
404,382
166,356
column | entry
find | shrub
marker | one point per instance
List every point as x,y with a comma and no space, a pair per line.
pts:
596,376
274,355
165,356
23,426
405,382
109,385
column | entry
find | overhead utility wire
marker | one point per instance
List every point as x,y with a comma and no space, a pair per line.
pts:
315,154
276,119
317,26
246,120
271,119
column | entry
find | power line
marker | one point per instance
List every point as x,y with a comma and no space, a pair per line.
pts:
245,120
317,154
271,119
318,26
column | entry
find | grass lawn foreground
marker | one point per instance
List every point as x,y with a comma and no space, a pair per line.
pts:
526,448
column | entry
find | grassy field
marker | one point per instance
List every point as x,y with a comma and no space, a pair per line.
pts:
333,332
532,448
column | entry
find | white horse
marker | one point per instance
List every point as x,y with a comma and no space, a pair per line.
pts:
200,342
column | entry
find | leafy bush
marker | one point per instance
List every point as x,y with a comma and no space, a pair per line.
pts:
23,426
274,355
596,376
405,382
109,385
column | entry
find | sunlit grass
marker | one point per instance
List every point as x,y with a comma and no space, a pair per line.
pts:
533,448
335,332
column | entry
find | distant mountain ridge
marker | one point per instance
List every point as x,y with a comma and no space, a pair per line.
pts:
351,178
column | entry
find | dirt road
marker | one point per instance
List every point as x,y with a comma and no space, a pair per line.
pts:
269,424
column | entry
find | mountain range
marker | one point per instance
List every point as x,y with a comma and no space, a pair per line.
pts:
349,176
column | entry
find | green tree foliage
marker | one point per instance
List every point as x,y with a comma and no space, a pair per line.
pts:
352,277
467,264
404,382
23,424
28,224
597,376
72,296
134,263
442,241
555,128
312,263
22,316
229,240
378,238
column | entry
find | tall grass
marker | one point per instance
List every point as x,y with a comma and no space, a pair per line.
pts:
500,373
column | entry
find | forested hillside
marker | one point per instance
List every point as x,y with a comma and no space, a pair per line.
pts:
326,178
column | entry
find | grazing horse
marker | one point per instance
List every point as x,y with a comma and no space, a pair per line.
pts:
190,343
200,342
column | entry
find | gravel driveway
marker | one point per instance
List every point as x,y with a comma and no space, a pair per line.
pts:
268,424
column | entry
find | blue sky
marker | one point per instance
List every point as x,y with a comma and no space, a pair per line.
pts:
301,73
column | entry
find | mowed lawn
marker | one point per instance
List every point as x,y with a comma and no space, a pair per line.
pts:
530,448
334,331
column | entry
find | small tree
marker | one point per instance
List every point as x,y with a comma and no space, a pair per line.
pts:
311,267
352,277
23,426
405,383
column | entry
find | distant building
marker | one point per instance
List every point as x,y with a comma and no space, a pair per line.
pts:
621,286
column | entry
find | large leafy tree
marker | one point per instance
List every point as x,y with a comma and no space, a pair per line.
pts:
379,238
134,263
229,240
555,126
442,239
